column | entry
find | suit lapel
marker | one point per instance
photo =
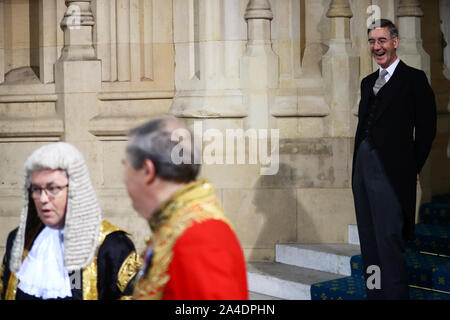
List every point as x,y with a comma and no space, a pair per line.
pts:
389,90
367,94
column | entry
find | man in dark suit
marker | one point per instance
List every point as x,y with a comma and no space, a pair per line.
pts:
396,127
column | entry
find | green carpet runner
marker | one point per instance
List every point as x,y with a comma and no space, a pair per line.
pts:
427,257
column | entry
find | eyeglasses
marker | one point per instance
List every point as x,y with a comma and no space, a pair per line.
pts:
381,41
51,191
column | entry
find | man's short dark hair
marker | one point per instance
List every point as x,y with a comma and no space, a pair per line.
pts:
153,141
384,23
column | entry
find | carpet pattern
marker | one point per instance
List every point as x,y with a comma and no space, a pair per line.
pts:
427,257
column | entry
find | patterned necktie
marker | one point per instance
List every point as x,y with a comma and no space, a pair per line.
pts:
380,82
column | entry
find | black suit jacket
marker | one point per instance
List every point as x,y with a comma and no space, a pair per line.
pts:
403,131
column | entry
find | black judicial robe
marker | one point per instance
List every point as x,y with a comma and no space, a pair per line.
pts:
110,275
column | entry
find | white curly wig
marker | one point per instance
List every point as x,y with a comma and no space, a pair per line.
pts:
83,213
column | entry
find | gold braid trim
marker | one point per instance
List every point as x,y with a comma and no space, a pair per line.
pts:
90,290
12,287
13,282
197,203
128,270
2,272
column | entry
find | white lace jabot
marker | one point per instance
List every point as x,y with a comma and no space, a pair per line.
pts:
43,273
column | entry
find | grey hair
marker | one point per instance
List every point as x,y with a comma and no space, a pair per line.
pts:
154,141
83,214
384,23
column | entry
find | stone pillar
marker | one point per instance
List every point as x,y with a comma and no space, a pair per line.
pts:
298,107
123,40
313,53
341,71
259,64
206,77
77,26
78,80
444,13
364,13
47,40
409,26
105,40
387,8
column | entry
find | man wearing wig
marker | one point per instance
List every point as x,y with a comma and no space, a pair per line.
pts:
62,248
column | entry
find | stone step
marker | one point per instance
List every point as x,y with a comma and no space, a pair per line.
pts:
353,236
332,258
284,281
259,296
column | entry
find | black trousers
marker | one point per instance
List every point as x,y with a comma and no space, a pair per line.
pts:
380,222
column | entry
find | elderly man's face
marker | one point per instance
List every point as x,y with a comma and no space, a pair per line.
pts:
383,47
49,192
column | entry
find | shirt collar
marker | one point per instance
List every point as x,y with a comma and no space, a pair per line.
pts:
392,67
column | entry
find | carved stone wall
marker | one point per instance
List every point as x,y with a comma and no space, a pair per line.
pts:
290,65
67,84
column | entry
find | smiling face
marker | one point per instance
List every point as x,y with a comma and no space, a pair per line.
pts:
51,209
383,47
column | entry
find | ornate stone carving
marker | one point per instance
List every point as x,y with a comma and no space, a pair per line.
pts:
258,9
78,14
77,26
339,8
409,8
340,70
259,64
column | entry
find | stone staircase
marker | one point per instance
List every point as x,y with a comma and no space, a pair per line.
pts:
334,271
298,266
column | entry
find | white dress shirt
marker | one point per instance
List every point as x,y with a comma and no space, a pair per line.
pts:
390,70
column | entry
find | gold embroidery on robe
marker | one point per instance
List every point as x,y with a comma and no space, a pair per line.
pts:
128,270
12,287
196,202
90,290
13,282
2,272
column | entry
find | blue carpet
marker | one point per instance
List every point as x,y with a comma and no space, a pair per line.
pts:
432,238
429,271
352,288
441,198
437,214
348,288
441,277
356,266
421,269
